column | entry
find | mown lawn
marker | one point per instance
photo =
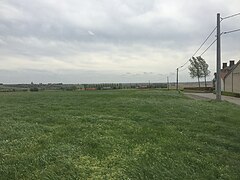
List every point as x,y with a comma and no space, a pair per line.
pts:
125,134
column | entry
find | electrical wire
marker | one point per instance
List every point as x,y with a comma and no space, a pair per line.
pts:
205,41
200,46
183,64
228,32
208,47
184,69
227,17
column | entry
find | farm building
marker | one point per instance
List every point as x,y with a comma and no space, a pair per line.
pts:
231,77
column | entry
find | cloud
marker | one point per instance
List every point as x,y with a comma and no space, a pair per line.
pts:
110,35
91,33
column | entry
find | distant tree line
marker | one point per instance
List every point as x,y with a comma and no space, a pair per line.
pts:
32,87
106,86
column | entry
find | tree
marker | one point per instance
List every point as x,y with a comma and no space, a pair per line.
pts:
204,67
195,69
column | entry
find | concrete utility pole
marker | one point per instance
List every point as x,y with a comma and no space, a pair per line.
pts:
218,90
167,83
177,80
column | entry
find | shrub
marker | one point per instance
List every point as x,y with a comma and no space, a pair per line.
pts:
202,89
231,94
71,88
33,89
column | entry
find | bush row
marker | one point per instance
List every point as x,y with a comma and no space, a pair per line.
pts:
231,94
204,89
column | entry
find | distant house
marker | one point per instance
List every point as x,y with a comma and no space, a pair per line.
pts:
230,76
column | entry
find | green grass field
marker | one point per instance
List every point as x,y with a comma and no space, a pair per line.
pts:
125,134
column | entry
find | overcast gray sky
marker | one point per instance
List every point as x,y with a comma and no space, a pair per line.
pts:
94,41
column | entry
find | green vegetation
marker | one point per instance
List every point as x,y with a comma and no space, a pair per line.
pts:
6,88
231,94
198,89
33,89
76,87
199,68
121,134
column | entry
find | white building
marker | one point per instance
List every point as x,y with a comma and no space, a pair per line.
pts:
231,77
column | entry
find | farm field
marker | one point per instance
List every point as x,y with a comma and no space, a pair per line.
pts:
120,134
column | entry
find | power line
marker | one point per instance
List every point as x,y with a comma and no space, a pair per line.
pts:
184,64
183,69
228,32
203,52
219,19
205,41
208,47
200,46
237,14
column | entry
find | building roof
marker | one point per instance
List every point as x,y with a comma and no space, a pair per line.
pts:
232,69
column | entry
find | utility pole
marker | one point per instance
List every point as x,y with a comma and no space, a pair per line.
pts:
218,91
167,83
177,80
